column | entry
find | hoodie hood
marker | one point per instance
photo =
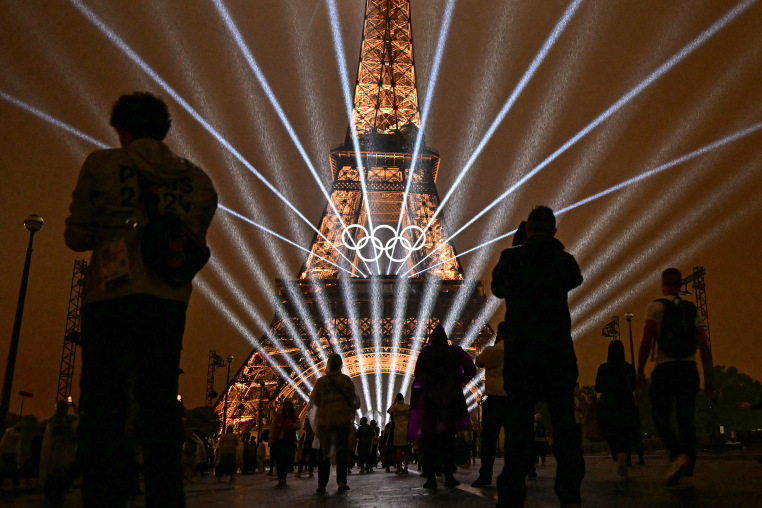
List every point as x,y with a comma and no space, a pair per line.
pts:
156,161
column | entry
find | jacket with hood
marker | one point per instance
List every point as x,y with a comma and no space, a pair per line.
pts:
535,279
106,214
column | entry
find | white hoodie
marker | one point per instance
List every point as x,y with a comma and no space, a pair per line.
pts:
105,209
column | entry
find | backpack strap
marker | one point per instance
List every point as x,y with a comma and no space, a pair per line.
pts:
338,389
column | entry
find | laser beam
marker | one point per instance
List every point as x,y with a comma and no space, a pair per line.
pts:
650,79
631,181
338,46
52,120
214,297
230,24
433,79
538,59
132,55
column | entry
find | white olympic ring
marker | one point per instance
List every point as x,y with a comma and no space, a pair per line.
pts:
379,248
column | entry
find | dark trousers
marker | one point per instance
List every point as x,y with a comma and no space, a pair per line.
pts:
131,345
674,386
527,385
494,416
333,439
308,459
285,450
438,454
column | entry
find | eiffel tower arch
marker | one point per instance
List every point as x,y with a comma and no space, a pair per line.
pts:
381,274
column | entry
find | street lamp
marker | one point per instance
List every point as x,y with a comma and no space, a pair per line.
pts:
629,317
227,389
33,223
23,395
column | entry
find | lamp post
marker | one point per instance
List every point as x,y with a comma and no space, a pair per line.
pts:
629,317
227,389
259,410
23,395
33,223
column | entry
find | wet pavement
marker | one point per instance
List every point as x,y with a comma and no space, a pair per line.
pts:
720,481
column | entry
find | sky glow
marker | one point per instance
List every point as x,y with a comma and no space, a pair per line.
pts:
651,78
229,290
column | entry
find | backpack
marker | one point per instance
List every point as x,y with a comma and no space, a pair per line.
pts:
677,338
169,248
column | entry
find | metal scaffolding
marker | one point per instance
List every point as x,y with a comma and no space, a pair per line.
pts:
697,278
72,333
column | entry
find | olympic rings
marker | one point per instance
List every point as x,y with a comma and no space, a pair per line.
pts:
379,248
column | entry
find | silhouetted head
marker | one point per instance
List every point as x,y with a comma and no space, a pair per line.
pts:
671,281
438,337
399,398
140,115
616,352
363,421
62,407
541,221
288,409
229,429
334,363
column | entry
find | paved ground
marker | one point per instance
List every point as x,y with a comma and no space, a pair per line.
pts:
720,481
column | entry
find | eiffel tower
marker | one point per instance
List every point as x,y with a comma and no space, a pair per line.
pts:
348,297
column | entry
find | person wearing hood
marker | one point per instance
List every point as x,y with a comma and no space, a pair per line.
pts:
535,277
133,317
332,408
438,408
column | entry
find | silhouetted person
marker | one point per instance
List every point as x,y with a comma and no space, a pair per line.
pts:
365,436
132,318
495,408
676,330
615,381
535,278
335,400
283,436
438,406
227,447
400,412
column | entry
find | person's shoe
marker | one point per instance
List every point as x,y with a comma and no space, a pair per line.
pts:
343,487
481,482
673,473
312,474
621,461
320,490
450,482
431,483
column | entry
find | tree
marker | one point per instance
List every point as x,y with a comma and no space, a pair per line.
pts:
732,389
204,420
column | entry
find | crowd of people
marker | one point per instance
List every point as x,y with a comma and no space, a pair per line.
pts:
146,250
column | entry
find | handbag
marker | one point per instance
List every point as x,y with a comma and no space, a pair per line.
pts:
593,430
169,248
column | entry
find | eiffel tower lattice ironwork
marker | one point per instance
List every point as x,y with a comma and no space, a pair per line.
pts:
378,224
